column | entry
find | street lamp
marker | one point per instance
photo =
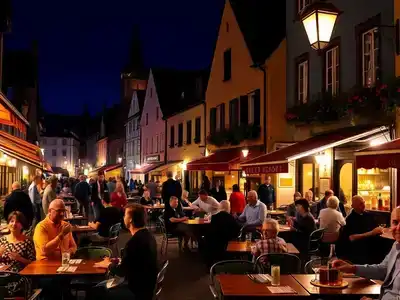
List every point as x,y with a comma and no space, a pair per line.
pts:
319,19
245,152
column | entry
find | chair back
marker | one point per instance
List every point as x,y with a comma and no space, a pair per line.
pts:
160,280
289,263
93,253
315,240
162,225
231,267
114,234
7,278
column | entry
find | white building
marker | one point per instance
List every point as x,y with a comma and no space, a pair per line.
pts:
132,140
61,151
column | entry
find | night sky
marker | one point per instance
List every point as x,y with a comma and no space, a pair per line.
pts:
83,44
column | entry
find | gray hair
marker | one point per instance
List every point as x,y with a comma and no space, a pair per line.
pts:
272,223
225,205
252,192
332,202
16,185
172,198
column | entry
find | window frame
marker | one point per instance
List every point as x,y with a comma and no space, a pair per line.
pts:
227,66
302,60
334,44
373,49
189,130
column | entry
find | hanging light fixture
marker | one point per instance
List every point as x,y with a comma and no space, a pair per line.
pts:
319,19
245,152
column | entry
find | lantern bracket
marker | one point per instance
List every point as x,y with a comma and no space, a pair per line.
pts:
396,27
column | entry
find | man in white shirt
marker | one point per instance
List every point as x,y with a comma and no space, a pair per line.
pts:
206,203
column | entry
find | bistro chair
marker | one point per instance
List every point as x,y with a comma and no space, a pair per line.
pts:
315,241
167,237
228,267
15,286
308,268
160,280
289,263
112,239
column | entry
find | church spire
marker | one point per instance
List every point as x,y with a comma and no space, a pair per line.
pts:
135,64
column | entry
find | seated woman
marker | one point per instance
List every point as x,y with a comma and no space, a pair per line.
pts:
118,197
331,219
270,242
146,199
291,210
16,250
185,199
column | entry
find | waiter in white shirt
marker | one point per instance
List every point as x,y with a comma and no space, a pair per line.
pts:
206,203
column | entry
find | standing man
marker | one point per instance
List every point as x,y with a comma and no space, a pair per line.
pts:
171,188
266,192
36,200
18,200
82,193
49,194
98,189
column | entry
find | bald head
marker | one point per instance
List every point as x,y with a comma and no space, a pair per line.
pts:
16,186
252,197
57,204
358,204
56,211
395,214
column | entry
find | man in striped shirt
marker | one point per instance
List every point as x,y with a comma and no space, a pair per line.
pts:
270,243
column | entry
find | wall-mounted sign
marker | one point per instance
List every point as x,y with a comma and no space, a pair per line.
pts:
153,158
267,169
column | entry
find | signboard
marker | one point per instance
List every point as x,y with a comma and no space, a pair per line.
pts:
152,158
267,169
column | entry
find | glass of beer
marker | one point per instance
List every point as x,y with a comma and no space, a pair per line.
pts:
65,256
276,275
335,277
324,275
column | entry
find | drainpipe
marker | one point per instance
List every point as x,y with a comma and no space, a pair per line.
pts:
263,68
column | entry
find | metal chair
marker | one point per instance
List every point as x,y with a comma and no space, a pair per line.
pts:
308,268
289,263
228,267
112,239
315,241
160,280
14,285
167,237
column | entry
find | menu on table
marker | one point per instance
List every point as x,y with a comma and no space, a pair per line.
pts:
281,290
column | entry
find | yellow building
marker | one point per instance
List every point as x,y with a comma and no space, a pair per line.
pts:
248,71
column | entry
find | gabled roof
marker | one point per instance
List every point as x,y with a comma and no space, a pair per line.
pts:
263,25
141,95
179,89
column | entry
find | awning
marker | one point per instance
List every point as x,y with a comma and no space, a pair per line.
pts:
109,168
145,169
382,156
20,149
223,160
59,170
163,168
47,168
278,161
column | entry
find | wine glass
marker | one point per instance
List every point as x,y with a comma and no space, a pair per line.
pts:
316,264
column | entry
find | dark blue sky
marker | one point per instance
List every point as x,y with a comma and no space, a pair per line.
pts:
83,44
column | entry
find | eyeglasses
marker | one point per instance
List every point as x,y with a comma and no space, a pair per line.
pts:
61,210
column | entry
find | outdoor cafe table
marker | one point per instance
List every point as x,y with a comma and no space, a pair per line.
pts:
49,268
357,286
235,246
197,222
242,287
82,229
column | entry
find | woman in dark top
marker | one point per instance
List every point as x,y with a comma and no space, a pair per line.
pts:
218,192
303,224
139,261
146,199
223,228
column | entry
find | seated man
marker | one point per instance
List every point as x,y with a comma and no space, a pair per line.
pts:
331,219
108,216
53,235
205,203
360,233
174,218
388,270
254,213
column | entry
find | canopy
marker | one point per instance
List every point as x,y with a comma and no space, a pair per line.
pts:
382,156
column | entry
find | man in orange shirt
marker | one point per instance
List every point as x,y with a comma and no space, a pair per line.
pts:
53,236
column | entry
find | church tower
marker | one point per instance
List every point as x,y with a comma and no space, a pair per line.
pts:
134,74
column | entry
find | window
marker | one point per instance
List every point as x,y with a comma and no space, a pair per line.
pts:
64,152
213,120
152,145
302,82
172,137
220,117
64,142
157,116
157,142
54,152
227,26
146,149
188,132
147,119
227,64
234,113
44,141
138,147
370,57
162,142
332,70
254,108
197,131
301,4
180,135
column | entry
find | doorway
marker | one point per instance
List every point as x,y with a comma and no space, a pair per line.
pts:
344,180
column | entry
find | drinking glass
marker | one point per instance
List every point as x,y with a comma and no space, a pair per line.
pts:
316,264
248,239
65,259
276,275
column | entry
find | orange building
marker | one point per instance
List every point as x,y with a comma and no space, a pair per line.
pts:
246,94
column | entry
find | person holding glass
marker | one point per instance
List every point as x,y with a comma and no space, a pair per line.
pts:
388,270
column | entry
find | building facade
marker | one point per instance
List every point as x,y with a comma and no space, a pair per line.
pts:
246,91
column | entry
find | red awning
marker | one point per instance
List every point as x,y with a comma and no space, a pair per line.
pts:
223,160
278,161
20,149
145,169
109,168
382,156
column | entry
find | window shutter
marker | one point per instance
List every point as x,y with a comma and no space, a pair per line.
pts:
222,116
244,110
257,108
213,120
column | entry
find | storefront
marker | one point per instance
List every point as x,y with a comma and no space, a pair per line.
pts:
224,166
142,172
108,170
160,173
325,161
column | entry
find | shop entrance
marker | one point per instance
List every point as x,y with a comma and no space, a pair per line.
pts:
344,183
